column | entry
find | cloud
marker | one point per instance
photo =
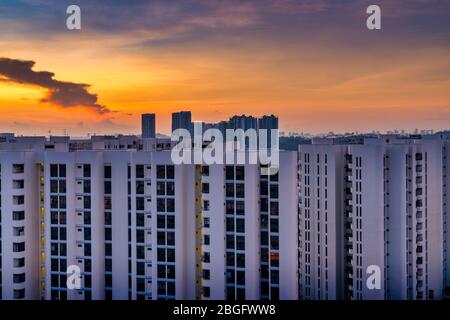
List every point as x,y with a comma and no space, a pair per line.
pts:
61,93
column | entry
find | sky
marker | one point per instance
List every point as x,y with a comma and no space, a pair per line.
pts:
313,63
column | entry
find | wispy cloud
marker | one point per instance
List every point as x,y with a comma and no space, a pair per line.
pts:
61,93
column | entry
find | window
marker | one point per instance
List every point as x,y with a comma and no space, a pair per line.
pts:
205,188
62,202
62,186
264,221
240,207
240,225
18,215
161,205
230,259
87,202
108,280
229,173
54,186
229,188
140,187
274,242
170,188
140,236
19,278
18,184
161,238
170,172
240,173
160,188
87,249
274,208
205,171
108,234
54,170
160,172
170,222
107,172
20,262
240,242
108,187
19,294
54,202
86,186
161,221
62,170
87,233
18,168
140,204
240,277
140,252
274,225
264,205
140,268
171,272
230,242
86,170
264,188
229,207
170,238
240,260
139,171
274,191
108,265
62,233
108,218
170,205
230,224
18,200
206,292
19,231
240,190
18,246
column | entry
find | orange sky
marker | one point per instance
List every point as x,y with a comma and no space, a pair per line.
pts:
320,81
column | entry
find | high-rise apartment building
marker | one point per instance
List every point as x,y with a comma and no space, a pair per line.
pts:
136,226
321,221
247,230
182,120
389,197
18,226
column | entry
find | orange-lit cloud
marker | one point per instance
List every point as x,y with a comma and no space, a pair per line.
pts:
60,93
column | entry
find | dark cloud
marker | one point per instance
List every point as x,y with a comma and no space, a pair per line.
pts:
61,93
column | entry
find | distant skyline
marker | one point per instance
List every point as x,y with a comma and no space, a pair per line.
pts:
311,62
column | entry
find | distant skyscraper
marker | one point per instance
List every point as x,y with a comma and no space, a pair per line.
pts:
148,125
243,122
268,123
182,120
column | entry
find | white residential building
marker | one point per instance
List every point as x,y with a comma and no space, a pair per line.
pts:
392,210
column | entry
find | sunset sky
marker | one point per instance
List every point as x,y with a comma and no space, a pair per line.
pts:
311,62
